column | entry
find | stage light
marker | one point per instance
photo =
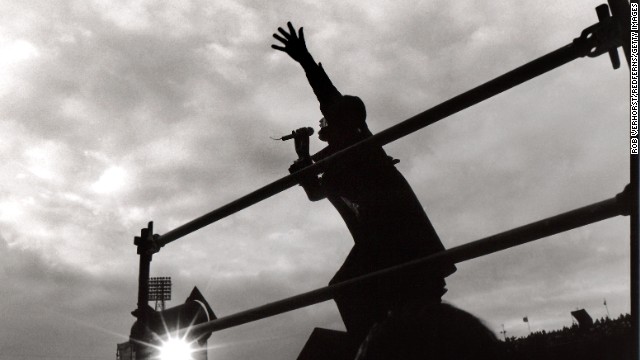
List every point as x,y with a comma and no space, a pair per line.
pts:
168,335
176,349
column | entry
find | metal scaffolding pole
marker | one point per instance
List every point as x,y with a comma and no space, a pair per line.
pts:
619,205
621,11
594,41
605,36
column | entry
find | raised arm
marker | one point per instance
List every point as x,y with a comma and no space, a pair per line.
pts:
294,45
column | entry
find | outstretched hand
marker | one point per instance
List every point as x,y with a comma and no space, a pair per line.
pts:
294,44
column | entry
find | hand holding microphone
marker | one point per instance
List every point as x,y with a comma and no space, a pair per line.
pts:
301,139
302,132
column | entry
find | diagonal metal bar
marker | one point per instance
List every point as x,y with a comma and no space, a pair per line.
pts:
619,205
580,47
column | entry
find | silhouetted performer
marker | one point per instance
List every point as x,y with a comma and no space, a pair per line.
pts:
384,216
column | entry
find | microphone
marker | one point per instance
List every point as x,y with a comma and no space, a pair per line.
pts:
306,131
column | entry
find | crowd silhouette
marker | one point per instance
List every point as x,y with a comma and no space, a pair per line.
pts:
606,339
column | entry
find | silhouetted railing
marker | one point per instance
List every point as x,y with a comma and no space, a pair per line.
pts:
619,205
592,43
603,37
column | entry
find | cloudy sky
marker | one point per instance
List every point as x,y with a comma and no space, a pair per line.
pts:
114,113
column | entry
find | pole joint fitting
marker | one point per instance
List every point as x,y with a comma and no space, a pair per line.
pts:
147,242
602,37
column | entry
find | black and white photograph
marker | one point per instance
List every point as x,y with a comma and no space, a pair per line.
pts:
274,180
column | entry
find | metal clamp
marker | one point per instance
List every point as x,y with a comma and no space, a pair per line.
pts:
147,242
600,38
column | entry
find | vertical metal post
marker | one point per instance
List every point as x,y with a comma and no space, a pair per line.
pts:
144,245
143,281
621,11
146,248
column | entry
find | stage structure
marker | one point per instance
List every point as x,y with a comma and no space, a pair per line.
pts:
610,32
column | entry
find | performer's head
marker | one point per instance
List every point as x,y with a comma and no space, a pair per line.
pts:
344,120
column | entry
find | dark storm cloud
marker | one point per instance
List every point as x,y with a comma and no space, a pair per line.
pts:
45,303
